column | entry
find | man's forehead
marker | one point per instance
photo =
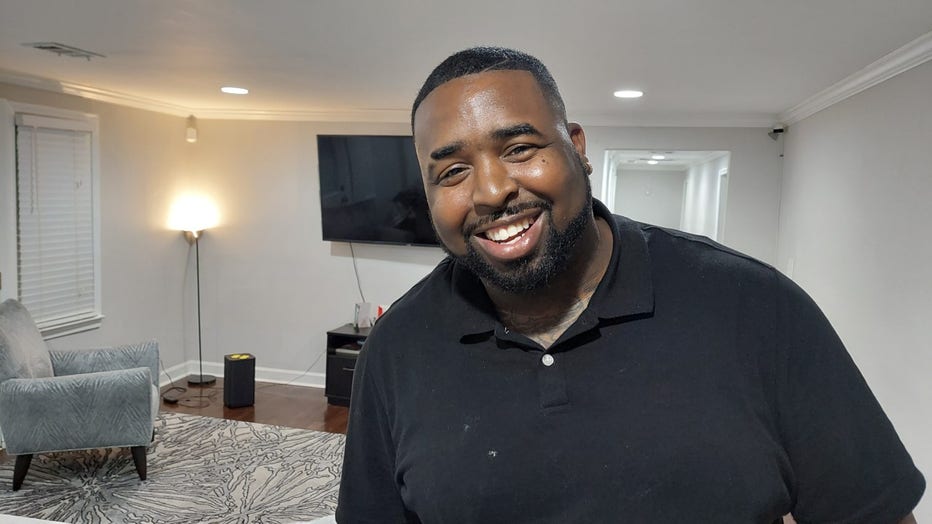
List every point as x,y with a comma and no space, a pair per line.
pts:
478,98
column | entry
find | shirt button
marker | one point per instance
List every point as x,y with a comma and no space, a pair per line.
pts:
547,360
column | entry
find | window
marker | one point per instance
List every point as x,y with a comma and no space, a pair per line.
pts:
57,264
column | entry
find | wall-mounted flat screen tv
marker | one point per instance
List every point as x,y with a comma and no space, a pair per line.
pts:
371,191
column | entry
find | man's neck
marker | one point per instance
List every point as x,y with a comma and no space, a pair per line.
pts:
545,314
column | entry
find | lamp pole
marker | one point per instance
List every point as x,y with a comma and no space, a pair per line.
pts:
200,379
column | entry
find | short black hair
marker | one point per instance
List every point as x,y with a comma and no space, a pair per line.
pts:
480,59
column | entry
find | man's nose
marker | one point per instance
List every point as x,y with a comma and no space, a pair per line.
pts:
495,186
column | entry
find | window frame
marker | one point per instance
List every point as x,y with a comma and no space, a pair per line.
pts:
9,254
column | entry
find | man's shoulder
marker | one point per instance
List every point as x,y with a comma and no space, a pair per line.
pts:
700,252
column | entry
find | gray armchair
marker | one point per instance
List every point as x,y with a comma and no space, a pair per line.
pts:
72,400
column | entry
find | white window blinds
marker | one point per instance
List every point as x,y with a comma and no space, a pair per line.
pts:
57,266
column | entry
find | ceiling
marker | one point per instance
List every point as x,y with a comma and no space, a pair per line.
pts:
715,62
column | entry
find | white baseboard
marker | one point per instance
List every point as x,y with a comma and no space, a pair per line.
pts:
181,371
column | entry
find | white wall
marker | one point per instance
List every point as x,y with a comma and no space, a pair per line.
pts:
651,196
700,209
855,223
753,203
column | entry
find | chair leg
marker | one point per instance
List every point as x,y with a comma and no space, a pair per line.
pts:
139,459
20,469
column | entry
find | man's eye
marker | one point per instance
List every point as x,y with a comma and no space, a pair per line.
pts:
520,151
451,176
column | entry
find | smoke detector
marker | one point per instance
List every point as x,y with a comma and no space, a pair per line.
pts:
64,50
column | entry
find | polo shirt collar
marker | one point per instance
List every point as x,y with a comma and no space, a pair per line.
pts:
477,313
625,290
627,287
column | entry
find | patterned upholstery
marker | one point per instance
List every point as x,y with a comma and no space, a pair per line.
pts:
144,354
90,399
23,353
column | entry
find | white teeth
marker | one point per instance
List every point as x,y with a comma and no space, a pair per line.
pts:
507,232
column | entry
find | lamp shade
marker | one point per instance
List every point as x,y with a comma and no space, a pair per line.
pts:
193,213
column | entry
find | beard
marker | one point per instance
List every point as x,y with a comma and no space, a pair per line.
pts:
536,270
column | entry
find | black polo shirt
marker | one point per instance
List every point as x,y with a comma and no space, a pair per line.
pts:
700,385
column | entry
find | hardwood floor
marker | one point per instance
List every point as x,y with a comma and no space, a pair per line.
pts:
277,404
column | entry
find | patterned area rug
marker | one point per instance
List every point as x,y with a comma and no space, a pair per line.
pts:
200,469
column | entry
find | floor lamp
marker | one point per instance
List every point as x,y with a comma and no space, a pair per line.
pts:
200,379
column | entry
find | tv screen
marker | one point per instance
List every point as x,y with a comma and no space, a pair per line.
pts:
371,190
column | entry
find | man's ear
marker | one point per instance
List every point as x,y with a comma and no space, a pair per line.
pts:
578,137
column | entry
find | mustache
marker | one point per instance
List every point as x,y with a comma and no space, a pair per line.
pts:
510,210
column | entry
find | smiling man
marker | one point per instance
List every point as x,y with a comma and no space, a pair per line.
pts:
507,183
567,365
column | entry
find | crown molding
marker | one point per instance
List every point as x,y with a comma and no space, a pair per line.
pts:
92,93
354,115
138,102
903,59
756,120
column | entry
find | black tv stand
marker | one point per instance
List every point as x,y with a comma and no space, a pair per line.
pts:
343,346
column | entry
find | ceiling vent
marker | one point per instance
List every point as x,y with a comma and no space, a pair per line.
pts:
64,50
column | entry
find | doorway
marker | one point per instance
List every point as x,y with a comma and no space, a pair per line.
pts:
685,190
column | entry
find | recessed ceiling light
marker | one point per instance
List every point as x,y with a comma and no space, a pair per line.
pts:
653,162
629,93
658,157
230,90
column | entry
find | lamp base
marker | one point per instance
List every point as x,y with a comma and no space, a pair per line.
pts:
201,380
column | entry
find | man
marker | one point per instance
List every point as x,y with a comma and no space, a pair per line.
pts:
567,365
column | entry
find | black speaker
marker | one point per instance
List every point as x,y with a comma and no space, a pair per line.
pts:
239,380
